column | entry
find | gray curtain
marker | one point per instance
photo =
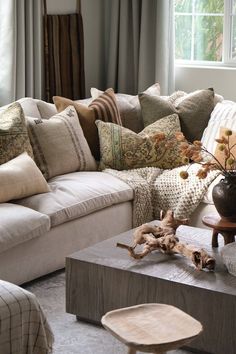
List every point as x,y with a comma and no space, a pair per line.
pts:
20,49
129,44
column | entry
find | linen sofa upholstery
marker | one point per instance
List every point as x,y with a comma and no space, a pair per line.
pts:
77,194
19,224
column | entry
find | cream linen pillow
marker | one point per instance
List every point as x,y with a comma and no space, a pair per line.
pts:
223,115
59,144
20,177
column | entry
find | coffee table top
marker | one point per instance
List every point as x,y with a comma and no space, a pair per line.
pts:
175,268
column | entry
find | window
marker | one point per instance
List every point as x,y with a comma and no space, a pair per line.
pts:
205,31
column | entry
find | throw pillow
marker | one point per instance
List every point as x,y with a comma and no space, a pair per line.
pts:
14,138
129,107
194,111
59,144
223,115
20,178
104,108
123,149
220,155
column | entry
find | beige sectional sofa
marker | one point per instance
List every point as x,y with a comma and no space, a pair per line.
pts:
82,208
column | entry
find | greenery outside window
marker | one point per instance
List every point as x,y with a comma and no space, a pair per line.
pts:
205,32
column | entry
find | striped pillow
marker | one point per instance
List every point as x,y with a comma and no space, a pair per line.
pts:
223,115
59,144
102,108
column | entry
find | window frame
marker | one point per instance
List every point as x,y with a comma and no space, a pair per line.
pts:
227,40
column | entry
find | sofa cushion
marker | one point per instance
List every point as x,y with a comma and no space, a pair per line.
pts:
194,111
19,224
77,194
20,177
123,149
59,144
14,138
129,107
104,108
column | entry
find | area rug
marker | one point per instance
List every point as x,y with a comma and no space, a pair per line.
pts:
72,336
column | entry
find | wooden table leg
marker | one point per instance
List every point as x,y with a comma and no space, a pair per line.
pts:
229,236
214,241
131,350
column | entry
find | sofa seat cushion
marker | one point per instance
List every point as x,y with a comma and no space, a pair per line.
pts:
77,194
19,224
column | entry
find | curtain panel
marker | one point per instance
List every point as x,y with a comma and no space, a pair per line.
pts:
20,50
129,44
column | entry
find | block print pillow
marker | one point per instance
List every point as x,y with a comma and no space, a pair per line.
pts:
104,108
194,111
14,138
123,149
59,144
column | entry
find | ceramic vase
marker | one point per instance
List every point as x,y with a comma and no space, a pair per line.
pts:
224,197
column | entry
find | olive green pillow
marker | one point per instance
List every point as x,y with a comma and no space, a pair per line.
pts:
193,111
14,138
122,149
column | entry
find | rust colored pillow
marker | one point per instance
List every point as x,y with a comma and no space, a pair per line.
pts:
103,108
220,154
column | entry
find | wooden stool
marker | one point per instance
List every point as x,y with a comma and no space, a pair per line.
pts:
220,226
152,328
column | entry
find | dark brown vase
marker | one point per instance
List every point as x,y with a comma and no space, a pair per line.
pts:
224,197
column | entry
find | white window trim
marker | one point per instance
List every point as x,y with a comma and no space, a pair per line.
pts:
227,41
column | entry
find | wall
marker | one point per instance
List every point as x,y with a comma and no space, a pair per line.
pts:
223,80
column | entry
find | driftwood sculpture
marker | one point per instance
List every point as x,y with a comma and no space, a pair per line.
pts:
163,238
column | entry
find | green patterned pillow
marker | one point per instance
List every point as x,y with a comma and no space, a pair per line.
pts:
14,138
122,149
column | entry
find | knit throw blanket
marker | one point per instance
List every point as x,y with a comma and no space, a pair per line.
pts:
156,190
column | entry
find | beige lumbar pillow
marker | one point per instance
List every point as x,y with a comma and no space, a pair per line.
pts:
20,178
59,144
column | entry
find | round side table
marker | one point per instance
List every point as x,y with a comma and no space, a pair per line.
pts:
220,226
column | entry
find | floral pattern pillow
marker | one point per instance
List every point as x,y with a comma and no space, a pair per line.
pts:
122,149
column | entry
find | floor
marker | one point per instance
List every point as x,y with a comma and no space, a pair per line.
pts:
71,336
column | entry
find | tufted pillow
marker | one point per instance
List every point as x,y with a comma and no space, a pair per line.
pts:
104,108
59,144
123,149
194,111
14,138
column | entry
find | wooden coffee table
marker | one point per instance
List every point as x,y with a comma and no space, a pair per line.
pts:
103,277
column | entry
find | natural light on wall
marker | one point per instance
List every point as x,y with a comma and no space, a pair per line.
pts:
205,32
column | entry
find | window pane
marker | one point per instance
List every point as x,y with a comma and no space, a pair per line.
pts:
183,33
183,5
209,6
233,49
234,7
208,38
